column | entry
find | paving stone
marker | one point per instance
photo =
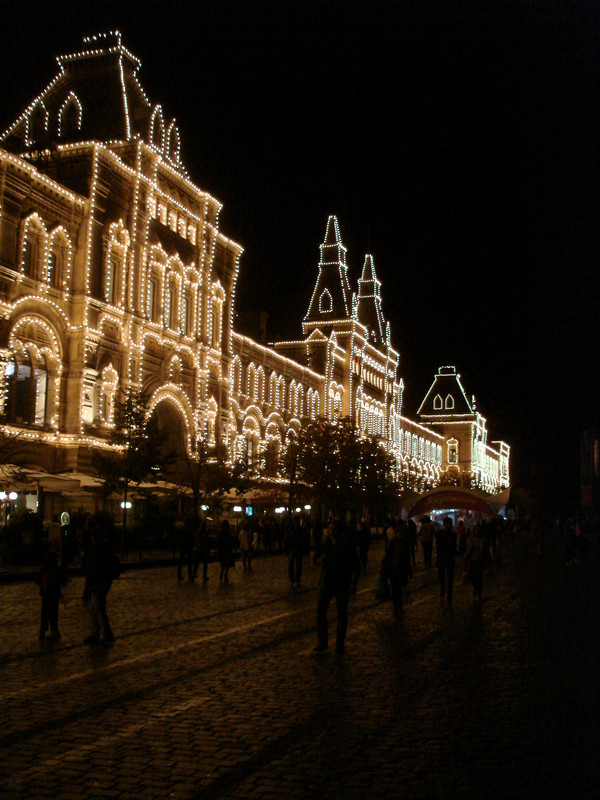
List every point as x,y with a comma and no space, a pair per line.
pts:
210,691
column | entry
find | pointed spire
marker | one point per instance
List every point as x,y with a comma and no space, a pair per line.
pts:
369,302
368,273
332,234
332,297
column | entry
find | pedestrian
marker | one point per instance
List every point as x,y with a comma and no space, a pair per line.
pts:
186,550
461,537
397,564
411,527
426,534
86,538
255,543
340,568
445,543
103,568
364,542
295,551
317,535
475,556
201,550
246,543
225,550
50,579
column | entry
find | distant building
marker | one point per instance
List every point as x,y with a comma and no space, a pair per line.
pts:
115,274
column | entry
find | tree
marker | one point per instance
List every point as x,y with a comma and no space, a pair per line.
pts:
137,454
206,473
347,470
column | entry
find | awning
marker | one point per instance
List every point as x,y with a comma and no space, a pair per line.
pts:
22,479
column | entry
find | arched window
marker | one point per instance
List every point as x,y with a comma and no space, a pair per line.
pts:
69,116
437,403
107,394
33,247
452,451
26,390
449,402
157,129
273,389
325,302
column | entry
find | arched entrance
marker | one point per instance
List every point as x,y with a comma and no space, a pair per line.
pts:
453,497
173,434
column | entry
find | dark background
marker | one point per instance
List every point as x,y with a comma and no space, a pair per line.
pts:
455,141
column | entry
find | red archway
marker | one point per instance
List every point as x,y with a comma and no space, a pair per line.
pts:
447,497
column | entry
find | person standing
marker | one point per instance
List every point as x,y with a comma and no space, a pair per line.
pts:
426,534
201,550
475,555
49,579
103,568
445,542
364,542
225,547
397,564
340,568
186,551
295,550
246,542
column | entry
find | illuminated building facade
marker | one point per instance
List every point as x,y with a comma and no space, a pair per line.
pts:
115,275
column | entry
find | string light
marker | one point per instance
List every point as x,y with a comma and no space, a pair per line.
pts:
150,239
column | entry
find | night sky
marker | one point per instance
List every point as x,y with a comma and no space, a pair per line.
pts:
456,142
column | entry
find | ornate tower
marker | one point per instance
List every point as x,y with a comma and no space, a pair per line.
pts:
332,297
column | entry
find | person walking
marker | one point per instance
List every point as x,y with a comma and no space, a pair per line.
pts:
475,556
103,568
445,543
340,568
201,550
225,549
426,533
50,579
295,545
246,542
363,532
186,550
398,564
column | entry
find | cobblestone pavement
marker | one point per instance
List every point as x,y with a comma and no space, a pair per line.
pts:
211,691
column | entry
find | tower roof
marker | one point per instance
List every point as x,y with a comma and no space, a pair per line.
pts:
368,306
95,96
446,397
332,297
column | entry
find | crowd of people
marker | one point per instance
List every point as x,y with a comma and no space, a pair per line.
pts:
340,548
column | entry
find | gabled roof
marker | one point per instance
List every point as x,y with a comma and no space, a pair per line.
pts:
446,397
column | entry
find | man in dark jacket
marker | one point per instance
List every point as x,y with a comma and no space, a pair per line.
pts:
445,543
102,568
339,574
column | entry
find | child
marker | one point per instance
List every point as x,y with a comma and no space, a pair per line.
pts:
49,581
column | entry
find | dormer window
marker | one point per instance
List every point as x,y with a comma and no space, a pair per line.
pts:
449,402
437,403
325,302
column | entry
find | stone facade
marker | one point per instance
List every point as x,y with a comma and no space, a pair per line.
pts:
115,274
